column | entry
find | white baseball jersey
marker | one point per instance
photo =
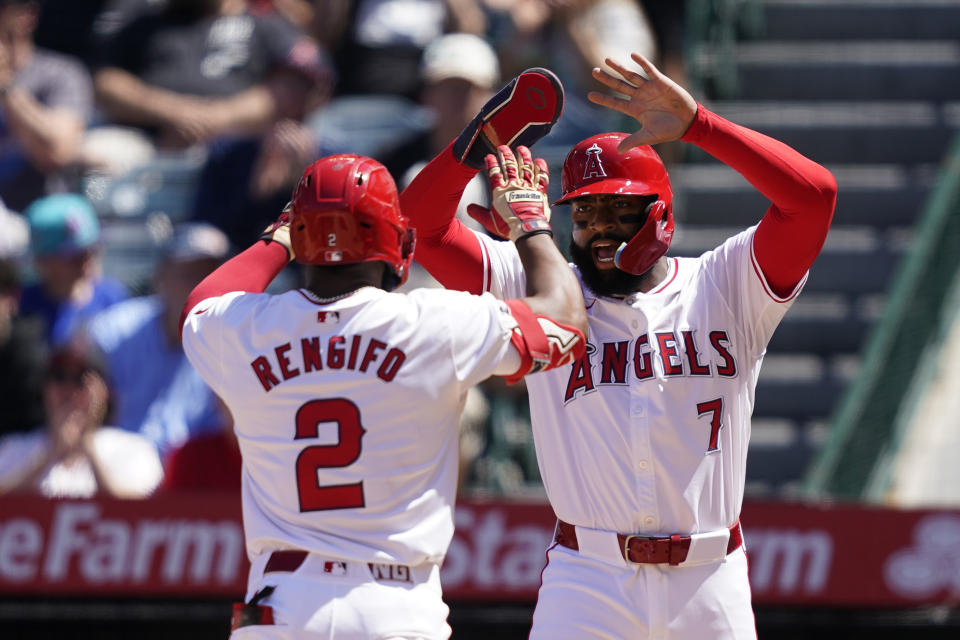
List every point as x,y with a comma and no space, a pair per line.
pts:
649,434
347,413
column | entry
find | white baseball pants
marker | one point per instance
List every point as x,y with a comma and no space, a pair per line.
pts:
582,598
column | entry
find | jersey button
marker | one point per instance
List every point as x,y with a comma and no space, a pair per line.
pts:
649,521
642,464
635,324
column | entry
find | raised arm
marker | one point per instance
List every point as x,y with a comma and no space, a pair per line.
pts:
251,270
551,317
446,247
183,118
520,114
802,192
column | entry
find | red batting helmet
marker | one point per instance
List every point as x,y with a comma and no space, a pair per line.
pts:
345,210
595,167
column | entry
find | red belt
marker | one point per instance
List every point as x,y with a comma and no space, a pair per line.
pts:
286,560
641,549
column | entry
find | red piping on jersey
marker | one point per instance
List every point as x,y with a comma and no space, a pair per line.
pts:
676,269
766,286
485,256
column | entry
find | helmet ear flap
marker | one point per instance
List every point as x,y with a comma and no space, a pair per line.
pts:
649,243
397,274
656,210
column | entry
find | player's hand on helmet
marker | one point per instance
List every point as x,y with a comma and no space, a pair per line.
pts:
518,195
664,109
279,231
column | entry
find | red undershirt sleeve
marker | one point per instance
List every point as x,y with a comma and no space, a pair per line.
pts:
445,247
251,270
802,195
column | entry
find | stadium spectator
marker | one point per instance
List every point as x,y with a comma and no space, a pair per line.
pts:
246,181
301,13
46,100
21,358
157,393
75,28
189,466
571,37
14,234
458,74
75,455
193,70
66,250
382,41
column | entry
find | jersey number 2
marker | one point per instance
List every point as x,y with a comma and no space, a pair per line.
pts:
715,409
346,415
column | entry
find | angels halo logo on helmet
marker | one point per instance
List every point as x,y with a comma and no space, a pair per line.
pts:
595,167
346,210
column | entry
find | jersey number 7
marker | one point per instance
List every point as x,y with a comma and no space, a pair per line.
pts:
715,409
346,415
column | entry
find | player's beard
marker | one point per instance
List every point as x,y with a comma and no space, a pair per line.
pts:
603,282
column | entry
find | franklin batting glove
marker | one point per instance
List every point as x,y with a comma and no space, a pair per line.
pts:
518,194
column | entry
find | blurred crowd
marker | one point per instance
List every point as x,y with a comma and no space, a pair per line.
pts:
142,142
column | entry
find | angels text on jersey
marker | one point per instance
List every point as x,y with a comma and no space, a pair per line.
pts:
673,353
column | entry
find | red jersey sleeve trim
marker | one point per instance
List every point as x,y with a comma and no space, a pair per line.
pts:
676,269
766,285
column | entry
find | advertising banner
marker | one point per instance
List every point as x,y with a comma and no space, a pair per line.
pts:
192,545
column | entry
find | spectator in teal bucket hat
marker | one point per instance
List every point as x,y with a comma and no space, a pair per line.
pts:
62,224
65,247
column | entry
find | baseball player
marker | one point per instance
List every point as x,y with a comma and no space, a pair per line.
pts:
346,396
642,443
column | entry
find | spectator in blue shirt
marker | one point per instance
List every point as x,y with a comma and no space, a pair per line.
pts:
156,392
65,247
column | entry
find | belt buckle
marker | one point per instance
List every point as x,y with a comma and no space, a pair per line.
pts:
647,550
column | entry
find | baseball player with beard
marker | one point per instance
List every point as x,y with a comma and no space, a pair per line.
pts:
642,443
346,397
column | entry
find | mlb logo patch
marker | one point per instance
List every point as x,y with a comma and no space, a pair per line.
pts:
328,316
335,568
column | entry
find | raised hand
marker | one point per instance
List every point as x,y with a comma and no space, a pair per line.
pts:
519,195
279,231
663,108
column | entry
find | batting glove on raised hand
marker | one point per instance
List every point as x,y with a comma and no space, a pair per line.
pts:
518,195
279,231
